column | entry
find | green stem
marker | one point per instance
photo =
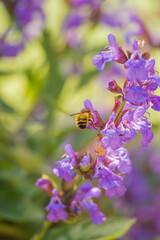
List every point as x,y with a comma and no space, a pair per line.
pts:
43,231
119,111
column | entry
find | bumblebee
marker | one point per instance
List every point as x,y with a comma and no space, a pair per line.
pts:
84,118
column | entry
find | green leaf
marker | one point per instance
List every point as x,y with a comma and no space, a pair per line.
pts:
112,229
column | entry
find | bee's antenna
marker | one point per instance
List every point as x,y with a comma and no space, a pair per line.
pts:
74,114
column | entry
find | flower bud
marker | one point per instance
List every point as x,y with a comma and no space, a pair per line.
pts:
146,55
46,184
114,87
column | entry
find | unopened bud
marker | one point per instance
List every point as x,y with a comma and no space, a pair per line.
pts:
146,55
129,53
114,87
122,57
46,184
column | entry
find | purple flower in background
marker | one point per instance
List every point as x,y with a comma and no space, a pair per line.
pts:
147,224
139,31
10,50
28,10
29,20
114,53
83,201
73,20
109,19
66,166
55,208
80,3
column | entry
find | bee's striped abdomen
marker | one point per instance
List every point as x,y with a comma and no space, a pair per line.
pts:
82,120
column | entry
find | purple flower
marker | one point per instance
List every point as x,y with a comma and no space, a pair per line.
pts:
10,50
29,10
155,100
73,20
80,3
139,32
107,169
107,178
112,139
119,160
55,208
118,190
134,121
136,69
115,53
66,166
135,95
109,19
83,201
154,162
29,21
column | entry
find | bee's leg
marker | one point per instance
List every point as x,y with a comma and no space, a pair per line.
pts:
91,122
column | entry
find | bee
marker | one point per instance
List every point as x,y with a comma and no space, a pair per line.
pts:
84,118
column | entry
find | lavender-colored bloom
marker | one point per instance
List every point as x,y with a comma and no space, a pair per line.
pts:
135,95
55,208
29,19
107,169
81,3
73,20
112,139
119,160
111,133
66,166
115,53
136,121
147,224
109,19
10,50
83,201
138,32
136,69
155,100
118,190
29,10
138,190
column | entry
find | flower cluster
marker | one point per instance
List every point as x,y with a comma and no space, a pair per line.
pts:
108,163
93,12
29,20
